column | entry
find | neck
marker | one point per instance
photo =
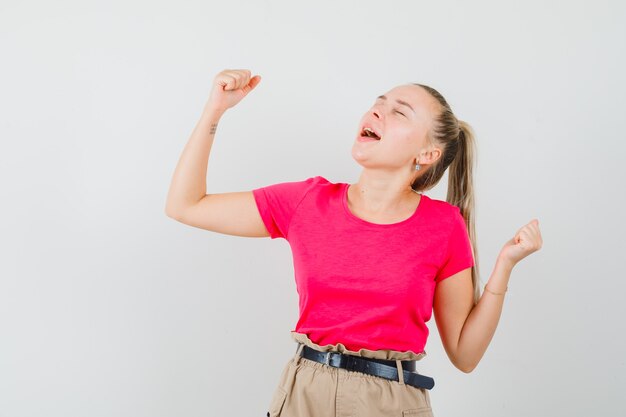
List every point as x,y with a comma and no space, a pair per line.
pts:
383,195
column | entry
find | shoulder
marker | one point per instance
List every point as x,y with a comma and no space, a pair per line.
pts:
294,190
295,185
442,209
318,180
321,184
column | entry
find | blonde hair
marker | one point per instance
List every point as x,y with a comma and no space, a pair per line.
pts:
457,140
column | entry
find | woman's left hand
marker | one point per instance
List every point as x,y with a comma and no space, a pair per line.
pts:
526,241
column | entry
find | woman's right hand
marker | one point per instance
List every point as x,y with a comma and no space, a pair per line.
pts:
229,87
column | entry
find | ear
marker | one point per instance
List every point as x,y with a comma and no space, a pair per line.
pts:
429,156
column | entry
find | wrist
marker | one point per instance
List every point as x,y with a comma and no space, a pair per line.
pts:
499,281
213,112
505,263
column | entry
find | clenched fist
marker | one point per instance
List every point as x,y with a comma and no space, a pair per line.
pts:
229,87
526,241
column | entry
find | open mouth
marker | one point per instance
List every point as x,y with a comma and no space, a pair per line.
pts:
370,133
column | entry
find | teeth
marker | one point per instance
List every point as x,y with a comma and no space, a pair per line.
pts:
370,132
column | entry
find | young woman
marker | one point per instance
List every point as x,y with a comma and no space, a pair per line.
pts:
372,259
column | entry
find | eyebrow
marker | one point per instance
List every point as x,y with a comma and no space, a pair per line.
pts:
404,103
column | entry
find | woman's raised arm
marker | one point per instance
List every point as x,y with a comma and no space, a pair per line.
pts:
466,330
187,201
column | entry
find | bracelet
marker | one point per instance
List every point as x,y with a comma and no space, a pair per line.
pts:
496,293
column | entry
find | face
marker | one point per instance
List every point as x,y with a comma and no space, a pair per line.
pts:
401,117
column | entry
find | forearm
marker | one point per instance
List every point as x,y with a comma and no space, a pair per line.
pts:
188,184
482,321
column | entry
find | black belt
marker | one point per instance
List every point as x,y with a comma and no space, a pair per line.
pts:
379,367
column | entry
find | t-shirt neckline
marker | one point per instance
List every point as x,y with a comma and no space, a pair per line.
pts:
344,203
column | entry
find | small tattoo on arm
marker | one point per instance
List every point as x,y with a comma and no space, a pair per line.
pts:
213,128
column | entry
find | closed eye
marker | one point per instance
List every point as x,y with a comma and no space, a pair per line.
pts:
399,112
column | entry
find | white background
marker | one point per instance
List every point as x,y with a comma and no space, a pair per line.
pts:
110,308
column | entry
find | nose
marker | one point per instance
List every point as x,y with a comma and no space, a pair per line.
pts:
376,113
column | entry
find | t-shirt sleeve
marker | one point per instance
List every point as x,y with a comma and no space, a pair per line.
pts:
277,204
459,253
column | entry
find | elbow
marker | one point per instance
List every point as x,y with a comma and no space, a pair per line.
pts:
174,210
465,366
169,213
466,369
464,360
173,214
177,210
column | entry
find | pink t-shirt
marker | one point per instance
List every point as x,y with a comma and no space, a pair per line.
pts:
363,284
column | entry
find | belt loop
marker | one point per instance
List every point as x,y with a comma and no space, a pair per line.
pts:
400,371
297,356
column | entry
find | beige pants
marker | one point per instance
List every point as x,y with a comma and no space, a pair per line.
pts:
311,389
